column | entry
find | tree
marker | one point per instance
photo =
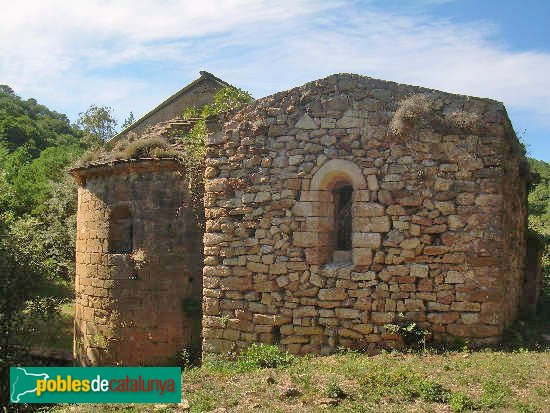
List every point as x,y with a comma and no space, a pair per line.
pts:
98,125
19,280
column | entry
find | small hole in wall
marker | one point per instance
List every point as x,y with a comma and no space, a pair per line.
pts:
298,195
238,217
251,232
191,279
276,334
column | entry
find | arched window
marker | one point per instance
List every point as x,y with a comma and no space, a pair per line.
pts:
120,230
336,192
342,217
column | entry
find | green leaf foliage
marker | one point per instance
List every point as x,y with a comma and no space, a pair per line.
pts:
37,214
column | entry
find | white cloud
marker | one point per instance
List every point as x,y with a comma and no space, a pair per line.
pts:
132,54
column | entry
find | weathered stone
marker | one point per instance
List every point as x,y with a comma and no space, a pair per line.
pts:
419,271
435,250
443,318
367,209
347,313
257,267
367,240
306,122
380,224
306,311
446,208
332,294
381,318
362,256
454,277
411,243
372,182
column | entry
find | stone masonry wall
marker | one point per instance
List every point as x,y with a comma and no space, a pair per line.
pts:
437,228
127,312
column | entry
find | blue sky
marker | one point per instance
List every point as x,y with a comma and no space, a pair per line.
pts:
132,55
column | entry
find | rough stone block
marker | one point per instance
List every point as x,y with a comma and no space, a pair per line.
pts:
332,294
367,209
366,240
419,270
362,256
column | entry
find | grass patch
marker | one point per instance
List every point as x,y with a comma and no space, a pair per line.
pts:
259,356
353,382
461,402
495,393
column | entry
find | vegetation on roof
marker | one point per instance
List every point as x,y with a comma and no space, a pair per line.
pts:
420,110
182,139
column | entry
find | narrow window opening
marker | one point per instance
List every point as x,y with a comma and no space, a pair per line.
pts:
276,335
342,215
120,230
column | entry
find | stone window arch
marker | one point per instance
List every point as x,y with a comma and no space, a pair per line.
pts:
324,238
121,231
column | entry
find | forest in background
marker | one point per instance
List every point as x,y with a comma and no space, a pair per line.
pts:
38,207
38,220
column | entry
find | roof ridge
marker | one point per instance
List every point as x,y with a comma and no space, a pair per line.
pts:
203,75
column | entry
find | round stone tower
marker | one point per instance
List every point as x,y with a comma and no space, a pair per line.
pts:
138,264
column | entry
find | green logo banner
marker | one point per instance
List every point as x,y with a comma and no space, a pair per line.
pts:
95,384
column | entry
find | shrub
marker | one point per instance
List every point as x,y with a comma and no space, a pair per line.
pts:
461,402
410,112
463,120
433,392
184,359
144,148
165,153
411,333
138,258
190,112
87,157
419,110
334,391
258,356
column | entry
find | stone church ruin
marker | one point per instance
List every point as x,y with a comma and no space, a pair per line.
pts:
328,209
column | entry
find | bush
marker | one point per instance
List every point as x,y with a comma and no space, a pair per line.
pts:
259,356
334,391
433,392
88,157
461,402
144,148
411,110
463,120
411,333
165,153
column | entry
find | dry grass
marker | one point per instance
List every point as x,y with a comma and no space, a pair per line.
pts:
144,148
411,110
351,382
141,148
419,110
462,119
